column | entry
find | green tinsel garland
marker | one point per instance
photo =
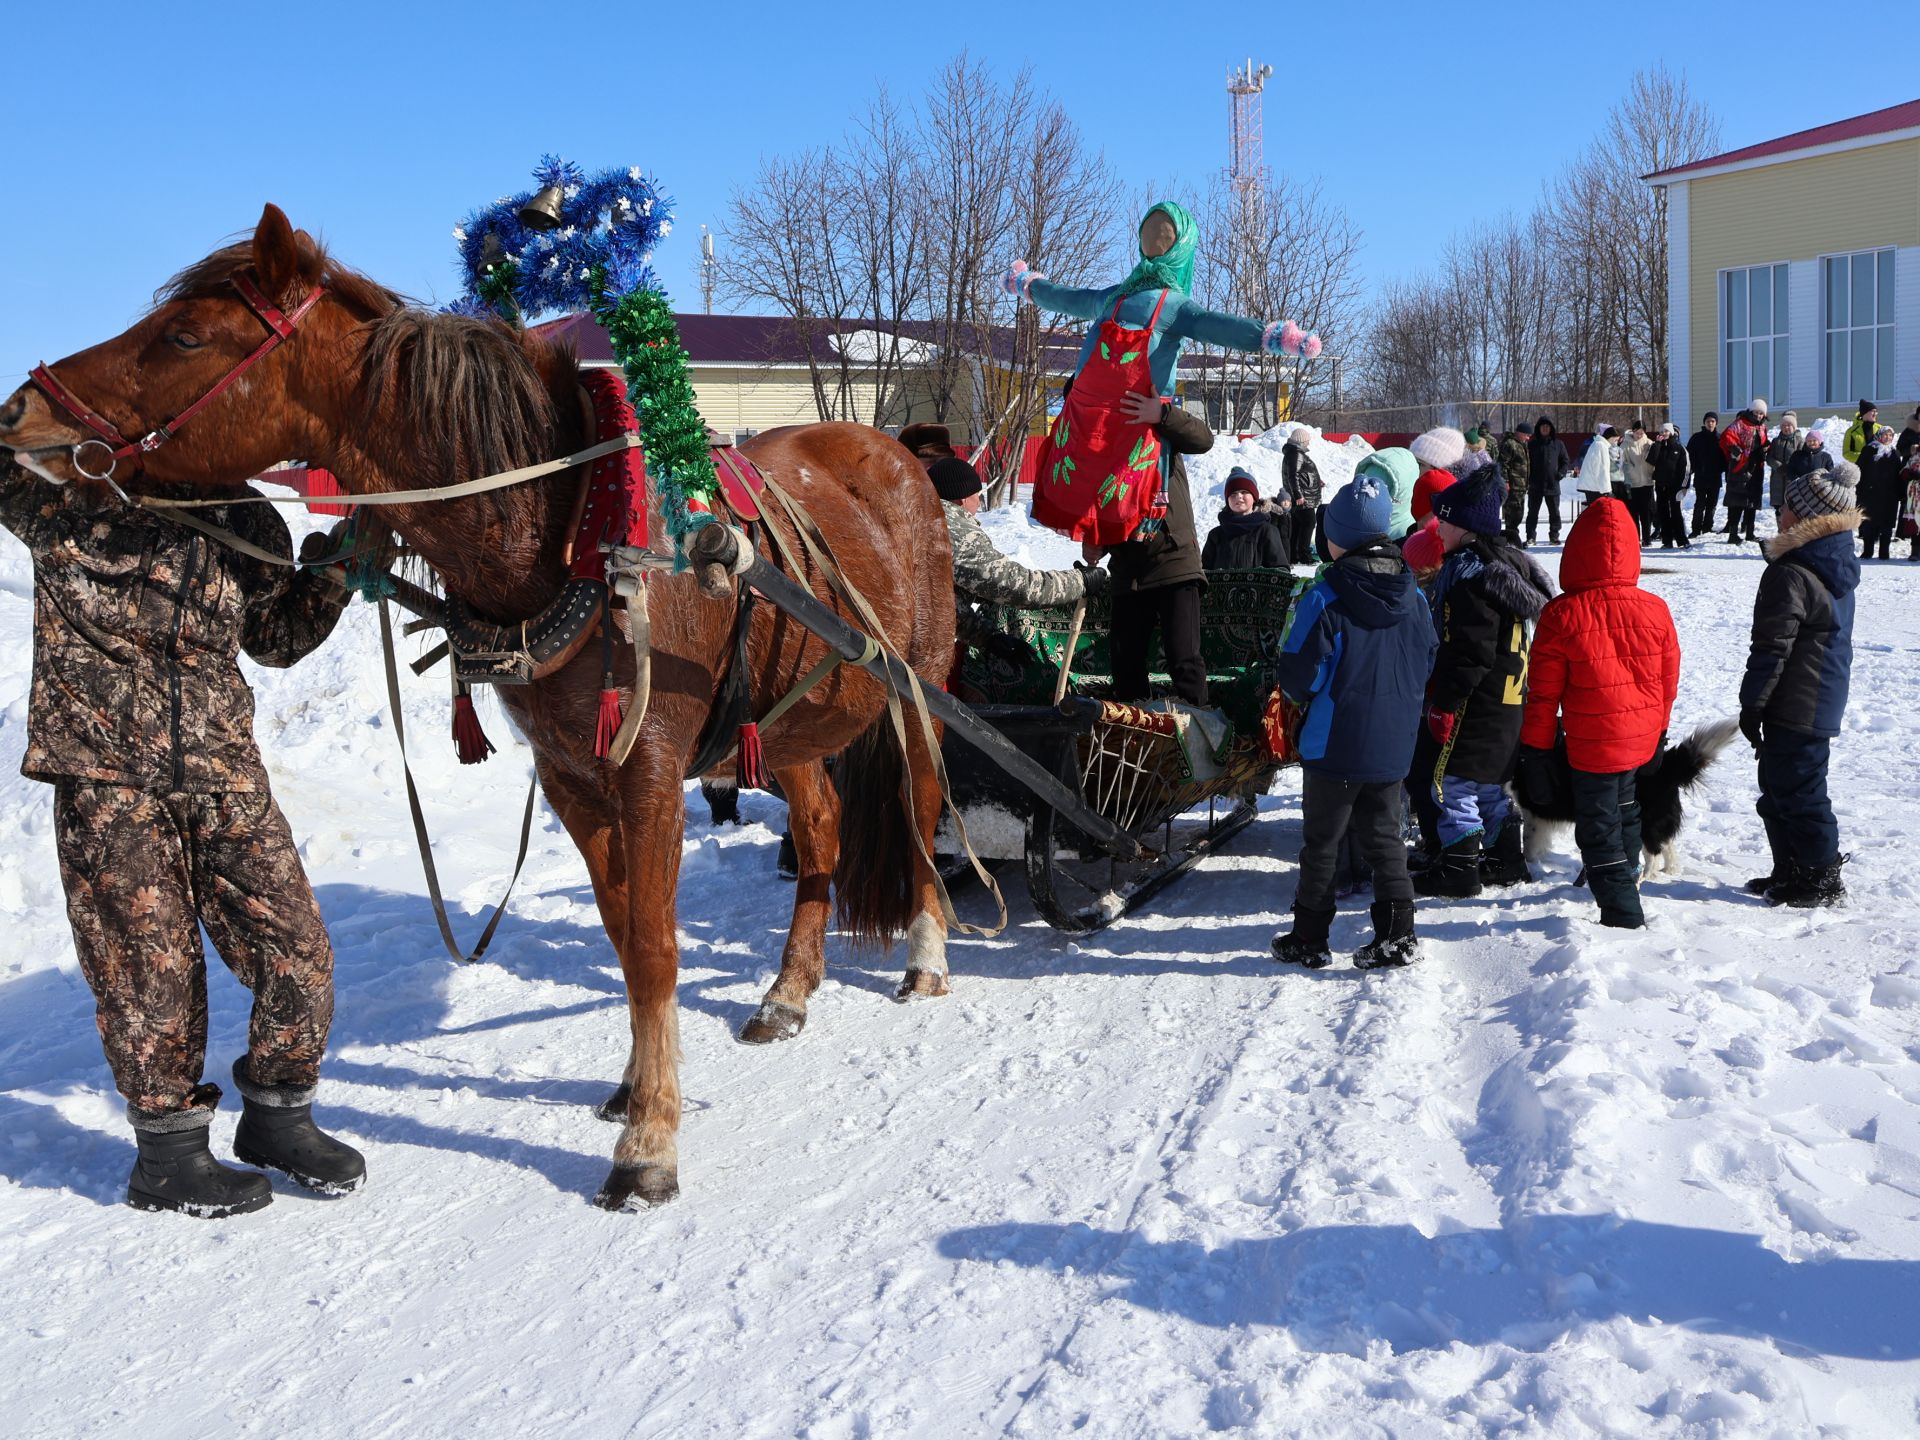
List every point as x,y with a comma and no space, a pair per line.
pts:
646,342
496,288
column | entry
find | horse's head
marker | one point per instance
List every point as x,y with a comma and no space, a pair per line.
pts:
67,422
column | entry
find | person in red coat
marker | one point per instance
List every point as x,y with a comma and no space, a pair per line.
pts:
1605,668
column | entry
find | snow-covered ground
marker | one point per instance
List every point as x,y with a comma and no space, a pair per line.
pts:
1556,1181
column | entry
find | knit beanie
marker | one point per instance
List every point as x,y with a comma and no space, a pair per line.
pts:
1359,513
954,479
1476,436
1300,438
1440,448
1430,484
1823,492
1866,405
1424,550
1239,479
1473,504
1710,415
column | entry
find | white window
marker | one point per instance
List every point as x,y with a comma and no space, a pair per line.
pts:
1859,305
1753,336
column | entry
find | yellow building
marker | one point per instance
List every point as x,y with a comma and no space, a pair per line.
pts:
1794,272
752,372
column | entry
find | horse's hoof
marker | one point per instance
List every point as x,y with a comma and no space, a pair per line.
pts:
614,1107
648,1185
772,1021
921,984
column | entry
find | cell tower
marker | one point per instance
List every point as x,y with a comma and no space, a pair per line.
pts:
709,267
1247,165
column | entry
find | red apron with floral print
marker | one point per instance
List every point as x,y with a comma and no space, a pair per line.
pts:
1099,476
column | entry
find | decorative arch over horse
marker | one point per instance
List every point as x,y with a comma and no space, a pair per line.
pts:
390,397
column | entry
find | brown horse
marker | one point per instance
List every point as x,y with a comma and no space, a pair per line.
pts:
391,397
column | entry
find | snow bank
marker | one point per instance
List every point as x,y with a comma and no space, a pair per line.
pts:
1016,534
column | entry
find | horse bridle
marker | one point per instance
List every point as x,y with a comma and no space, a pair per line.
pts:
107,436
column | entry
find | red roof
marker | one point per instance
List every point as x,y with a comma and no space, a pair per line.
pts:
1879,122
769,339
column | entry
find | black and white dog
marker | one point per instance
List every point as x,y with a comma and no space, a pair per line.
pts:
1659,786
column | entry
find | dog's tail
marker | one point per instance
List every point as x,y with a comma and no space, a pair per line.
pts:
1686,762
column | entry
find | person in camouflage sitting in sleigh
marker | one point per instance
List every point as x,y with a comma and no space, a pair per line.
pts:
984,579
163,821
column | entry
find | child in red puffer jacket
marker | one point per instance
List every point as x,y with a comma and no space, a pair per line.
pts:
1605,666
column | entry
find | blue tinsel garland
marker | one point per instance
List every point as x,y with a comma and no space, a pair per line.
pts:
613,220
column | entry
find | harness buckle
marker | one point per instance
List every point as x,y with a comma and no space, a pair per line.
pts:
113,458
153,440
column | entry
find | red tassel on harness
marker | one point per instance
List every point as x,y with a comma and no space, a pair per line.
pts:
753,762
469,740
609,724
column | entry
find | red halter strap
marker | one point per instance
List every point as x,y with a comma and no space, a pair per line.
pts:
281,323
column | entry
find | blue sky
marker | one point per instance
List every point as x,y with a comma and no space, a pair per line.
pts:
143,134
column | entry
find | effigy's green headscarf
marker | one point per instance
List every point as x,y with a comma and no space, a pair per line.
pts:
1175,268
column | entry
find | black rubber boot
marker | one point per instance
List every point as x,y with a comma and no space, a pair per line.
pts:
1761,884
723,803
1306,943
1506,862
1456,874
1810,887
176,1171
1394,944
284,1138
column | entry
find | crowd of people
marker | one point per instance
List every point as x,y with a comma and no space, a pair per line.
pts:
1742,466
1439,672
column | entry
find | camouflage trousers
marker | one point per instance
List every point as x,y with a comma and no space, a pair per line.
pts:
1514,509
143,873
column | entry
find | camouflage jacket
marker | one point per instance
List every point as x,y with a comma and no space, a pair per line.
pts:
137,628
983,576
1514,463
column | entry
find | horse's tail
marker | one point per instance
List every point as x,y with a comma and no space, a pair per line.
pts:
873,877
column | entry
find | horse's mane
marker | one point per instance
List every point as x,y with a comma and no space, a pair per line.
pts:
468,392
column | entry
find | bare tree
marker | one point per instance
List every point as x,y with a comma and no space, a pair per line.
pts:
1277,251
831,239
1572,300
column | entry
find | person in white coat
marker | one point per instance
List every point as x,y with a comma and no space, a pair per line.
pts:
1598,466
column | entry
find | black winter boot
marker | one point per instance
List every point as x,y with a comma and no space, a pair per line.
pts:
1810,887
787,863
1761,884
277,1131
1616,887
1394,943
1506,862
1456,874
1306,943
176,1171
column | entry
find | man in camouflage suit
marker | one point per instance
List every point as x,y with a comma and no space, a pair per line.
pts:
163,822
1514,465
984,578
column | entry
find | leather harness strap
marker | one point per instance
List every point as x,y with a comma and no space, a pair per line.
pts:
280,323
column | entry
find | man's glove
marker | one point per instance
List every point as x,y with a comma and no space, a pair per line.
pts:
1750,725
1537,781
1096,580
1441,724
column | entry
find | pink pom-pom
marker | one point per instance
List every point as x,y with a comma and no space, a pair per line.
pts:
1310,347
1290,337
1016,278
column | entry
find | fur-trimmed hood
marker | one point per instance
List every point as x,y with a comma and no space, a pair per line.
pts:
1514,578
1813,528
1824,545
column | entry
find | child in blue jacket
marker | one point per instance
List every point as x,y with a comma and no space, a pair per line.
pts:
1357,654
